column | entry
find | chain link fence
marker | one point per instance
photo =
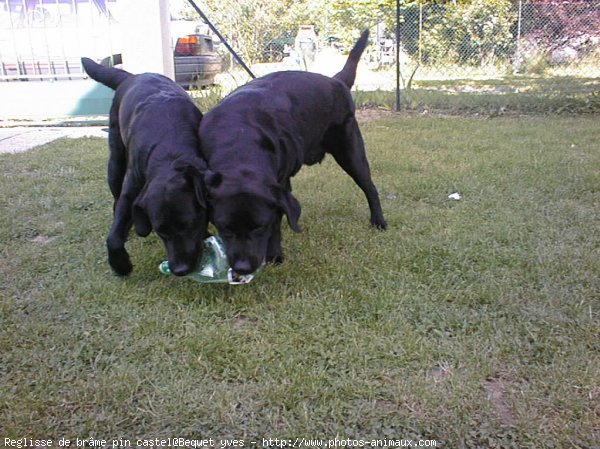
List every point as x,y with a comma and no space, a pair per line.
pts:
503,37
440,45
531,48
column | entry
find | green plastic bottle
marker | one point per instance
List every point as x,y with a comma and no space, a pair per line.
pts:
213,267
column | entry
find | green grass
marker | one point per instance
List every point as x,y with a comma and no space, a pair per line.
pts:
507,95
490,97
474,322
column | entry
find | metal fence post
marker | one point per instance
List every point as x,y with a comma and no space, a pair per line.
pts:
223,40
397,55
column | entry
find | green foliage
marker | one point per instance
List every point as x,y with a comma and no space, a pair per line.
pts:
251,24
350,16
443,32
474,33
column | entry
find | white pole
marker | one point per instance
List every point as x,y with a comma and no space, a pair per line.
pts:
147,37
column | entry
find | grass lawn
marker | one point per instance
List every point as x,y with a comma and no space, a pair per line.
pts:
475,323
507,95
471,95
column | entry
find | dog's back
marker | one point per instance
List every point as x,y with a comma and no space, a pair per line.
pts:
162,108
292,109
148,101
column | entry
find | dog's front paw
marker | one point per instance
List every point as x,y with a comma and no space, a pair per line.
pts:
275,260
119,262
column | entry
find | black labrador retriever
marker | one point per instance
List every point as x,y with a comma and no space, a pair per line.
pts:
259,136
154,169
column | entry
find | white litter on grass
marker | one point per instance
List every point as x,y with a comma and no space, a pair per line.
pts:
454,196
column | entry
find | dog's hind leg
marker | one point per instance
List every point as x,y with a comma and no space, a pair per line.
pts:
346,145
117,161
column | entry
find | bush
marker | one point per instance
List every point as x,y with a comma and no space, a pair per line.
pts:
477,33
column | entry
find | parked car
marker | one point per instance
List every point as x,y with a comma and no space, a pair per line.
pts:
196,62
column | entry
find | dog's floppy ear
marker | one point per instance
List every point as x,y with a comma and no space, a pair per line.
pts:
193,171
199,189
290,206
141,222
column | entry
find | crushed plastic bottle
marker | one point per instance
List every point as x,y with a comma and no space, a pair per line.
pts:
214,267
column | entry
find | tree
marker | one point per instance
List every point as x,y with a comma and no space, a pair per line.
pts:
250,25
456,31
475,32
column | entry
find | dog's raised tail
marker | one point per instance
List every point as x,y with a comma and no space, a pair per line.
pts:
348,73
108,76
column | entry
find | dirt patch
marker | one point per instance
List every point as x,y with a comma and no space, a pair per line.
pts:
367,114
496,390
42,239
241,321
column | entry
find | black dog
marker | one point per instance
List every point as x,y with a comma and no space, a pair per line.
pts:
154,169
258,137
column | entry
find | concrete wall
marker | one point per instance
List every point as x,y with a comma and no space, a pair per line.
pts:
146,48
42,100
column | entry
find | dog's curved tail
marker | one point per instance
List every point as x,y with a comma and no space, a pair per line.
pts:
348,73
109,76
